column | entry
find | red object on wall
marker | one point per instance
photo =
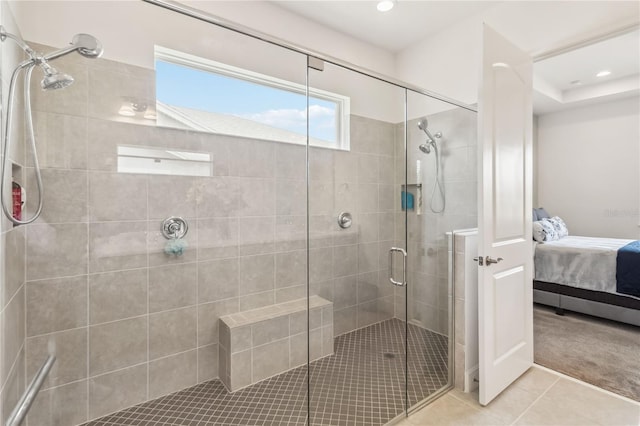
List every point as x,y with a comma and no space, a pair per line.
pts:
16,192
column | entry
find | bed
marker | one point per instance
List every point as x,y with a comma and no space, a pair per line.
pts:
596,276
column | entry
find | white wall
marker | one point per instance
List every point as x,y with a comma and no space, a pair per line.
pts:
130,29
449,62
588,169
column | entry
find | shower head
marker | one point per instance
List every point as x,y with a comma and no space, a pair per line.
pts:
85,44
426,147
53,79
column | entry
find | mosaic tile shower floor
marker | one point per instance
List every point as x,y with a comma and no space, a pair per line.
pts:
361,384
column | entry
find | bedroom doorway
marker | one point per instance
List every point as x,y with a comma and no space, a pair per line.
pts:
585,324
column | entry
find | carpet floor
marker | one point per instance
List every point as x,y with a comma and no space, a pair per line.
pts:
598,351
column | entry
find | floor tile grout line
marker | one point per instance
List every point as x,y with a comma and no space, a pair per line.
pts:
535,401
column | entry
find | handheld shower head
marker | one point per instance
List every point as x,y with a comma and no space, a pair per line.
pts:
422,124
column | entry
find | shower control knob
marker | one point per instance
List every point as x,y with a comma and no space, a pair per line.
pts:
345,220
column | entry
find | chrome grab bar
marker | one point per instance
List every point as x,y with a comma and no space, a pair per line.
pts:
24,404
404,266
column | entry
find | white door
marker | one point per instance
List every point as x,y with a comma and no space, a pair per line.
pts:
505,309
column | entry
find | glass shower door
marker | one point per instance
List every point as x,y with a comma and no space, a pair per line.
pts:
356,173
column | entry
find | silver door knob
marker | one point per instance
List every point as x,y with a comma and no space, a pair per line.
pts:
489,260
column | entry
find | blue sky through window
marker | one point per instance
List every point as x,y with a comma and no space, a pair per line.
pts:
207,91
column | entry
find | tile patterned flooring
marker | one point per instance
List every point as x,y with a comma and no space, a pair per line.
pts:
361,384
540,397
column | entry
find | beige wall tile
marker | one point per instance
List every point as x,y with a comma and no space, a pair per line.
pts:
270,330
73,101
291,268
56,251
291,197
257,274
105,136
14,386
62,406
257,235
172,196
111,86
65,196
173,373
240,369
207,362
61,140
345,292
55,305
172,287
218,197
251,158
171,332
217,280
320,264
257,300
114,196
115,391
117,295
70,350
290,161
117,345
257,197
13,332
217,238
270,359
208,318
118,245
345,260
13,248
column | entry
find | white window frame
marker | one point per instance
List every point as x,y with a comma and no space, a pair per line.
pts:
343,103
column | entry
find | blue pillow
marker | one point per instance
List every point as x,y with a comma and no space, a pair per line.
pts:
542,213
535,215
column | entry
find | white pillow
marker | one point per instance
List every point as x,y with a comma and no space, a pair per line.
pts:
559,226
538,231
549,229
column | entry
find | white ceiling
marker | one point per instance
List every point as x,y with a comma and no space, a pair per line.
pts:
553,76
408,22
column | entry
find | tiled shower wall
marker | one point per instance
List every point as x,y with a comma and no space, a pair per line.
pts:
12,247
429,296
129,323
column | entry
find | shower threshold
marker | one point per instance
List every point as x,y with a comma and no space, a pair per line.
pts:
361,384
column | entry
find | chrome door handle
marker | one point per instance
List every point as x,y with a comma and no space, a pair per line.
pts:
404,266
489,260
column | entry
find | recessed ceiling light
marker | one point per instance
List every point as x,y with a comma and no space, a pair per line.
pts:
603,73
386,5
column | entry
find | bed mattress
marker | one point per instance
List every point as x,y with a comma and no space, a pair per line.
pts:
583,262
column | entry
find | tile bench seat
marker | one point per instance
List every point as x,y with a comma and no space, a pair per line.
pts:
264,342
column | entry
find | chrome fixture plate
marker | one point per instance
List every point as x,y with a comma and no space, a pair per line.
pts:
174,228
345,220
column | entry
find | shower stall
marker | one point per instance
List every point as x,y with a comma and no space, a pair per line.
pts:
234,230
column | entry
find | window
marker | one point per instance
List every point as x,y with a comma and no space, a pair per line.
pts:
200,94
